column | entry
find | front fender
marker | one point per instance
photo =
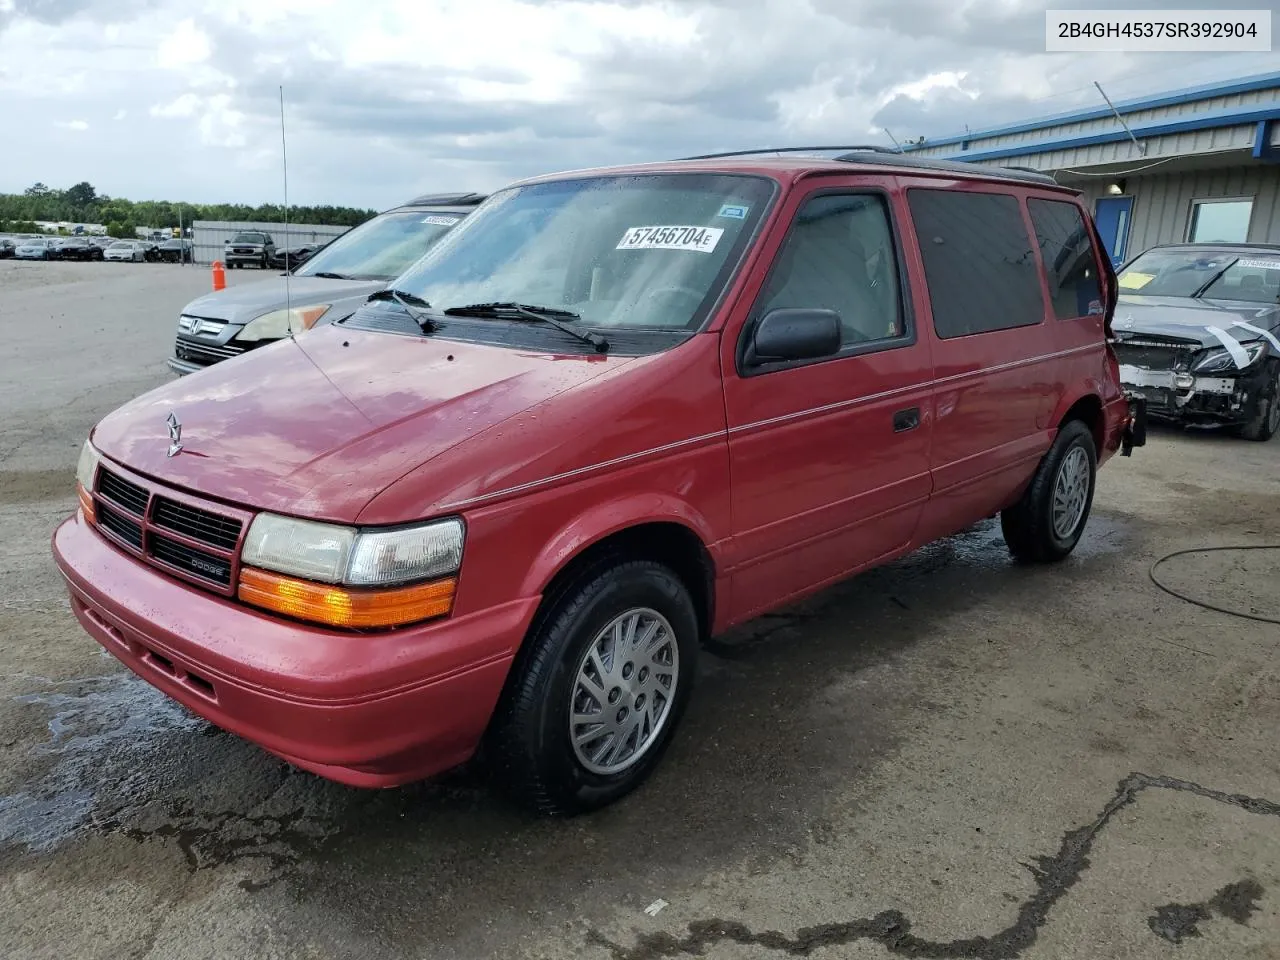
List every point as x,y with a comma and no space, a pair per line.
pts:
603,520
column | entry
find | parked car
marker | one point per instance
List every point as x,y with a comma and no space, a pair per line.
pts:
175,251
328,287
125,250
1198,331
249,247
614,413
33,248
294,256
75,248
6,248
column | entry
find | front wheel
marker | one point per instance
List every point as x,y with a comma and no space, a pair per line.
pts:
599,690
1046,523
1265,422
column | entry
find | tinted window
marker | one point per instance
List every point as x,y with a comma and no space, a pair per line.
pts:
1067,253
382,248
840,256
978,261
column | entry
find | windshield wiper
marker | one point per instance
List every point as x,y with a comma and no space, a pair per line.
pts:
409,302
550,315
330,276
1212,280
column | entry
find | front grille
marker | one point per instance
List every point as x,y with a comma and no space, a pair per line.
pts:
122,493
191,541
204,353
1156,353
195,523
197,562
127,530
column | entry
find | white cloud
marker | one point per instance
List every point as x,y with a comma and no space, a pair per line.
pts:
120,114
77,125
186,46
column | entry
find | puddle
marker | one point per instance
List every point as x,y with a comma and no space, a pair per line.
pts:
100,729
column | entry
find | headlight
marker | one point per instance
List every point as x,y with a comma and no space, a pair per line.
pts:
347,577
1221,359
86,470
279,324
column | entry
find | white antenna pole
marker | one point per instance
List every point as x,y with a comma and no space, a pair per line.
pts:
1142,150
894,139
284,167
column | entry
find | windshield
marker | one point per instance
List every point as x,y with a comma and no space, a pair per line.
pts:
381,248
650,252
248,238
122,245
1252,278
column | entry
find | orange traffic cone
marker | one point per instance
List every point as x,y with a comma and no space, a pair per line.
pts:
219,275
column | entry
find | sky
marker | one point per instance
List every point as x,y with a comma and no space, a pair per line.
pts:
386,99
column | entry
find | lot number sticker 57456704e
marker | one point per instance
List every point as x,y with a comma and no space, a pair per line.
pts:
701,239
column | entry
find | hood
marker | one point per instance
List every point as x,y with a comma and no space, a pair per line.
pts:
319,425
243,302
1188,319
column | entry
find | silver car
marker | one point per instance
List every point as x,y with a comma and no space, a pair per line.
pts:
33,249
124,250
328,287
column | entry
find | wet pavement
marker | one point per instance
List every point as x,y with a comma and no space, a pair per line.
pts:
949,757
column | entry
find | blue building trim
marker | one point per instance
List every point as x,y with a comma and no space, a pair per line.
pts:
1205,121
1262,149
1260,81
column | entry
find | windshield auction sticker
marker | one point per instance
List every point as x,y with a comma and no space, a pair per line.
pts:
701,239
1136,281
441,221
1259,264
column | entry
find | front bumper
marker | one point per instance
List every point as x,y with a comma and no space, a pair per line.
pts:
183,367
1179,396
364,709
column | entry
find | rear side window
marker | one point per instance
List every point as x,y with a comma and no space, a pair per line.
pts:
1067,253
979,261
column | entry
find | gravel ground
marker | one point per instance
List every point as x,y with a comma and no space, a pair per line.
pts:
949,757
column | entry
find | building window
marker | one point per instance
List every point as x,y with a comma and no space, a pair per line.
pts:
1220,221
979,262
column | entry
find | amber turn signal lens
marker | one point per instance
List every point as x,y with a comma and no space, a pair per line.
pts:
346,607
86,503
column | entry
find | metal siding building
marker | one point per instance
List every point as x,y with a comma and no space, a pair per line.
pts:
208,236
1206,164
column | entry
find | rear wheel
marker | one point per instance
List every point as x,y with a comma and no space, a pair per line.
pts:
1046,523
1265,422
599,690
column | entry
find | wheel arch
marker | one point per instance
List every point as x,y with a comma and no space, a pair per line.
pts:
1088,409
671,533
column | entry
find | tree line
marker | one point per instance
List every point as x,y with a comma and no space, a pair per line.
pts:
83,204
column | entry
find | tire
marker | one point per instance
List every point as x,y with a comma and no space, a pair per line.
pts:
532,745
1045,525
1265,422
264,264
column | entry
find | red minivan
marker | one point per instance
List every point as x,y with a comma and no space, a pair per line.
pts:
613,413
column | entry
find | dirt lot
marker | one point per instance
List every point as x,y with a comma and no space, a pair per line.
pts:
950,757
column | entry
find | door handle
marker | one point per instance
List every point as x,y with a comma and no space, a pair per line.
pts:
905,420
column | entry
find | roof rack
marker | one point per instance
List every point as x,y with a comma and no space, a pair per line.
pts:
747,153
448,199
951,166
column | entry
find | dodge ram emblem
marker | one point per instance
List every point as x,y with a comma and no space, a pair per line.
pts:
175,435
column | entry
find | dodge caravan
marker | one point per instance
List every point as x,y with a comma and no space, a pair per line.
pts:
611,414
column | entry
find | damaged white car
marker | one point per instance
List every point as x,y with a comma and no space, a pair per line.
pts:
1197,334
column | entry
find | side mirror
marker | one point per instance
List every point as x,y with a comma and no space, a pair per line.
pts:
795,334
